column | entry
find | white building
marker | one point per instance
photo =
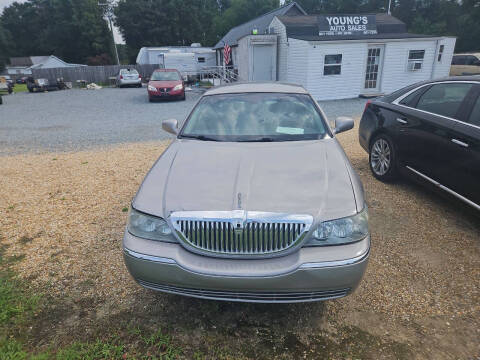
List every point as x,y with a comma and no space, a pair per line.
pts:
340,56
21,66
379,60
186,59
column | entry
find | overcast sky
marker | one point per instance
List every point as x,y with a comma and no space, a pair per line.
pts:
118,37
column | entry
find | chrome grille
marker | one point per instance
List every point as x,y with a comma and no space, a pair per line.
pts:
238,233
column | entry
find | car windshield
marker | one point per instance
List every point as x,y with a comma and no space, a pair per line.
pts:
128,72
255,117
165,76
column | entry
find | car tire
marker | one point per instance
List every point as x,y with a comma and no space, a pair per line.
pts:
382,158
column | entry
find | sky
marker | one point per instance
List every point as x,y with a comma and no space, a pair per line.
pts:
116,33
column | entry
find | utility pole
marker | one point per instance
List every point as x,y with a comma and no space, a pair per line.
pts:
109,15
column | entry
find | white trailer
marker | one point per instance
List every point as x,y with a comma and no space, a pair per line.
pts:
189,60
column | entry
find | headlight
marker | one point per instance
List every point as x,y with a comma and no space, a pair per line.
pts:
341,231
149,227
178,87
152,88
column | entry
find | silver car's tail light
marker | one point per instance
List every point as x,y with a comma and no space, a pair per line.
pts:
239,233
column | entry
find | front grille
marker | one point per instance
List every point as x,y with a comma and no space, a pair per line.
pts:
238,233
165,90
250,296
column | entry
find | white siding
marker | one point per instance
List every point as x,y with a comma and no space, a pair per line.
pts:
348,83
297,65
442,67
306,61
395,73
243,58
282,48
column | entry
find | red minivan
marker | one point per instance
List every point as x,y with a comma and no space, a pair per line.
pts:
166,84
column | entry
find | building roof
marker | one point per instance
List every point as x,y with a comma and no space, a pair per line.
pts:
261,23
257,87
34,61
307,28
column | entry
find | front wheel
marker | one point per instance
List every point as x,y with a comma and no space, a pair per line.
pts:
383,158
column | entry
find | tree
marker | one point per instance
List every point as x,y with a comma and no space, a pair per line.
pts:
5,43
237,12
165,22
70,29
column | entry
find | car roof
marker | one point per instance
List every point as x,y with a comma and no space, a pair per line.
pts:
257,87
463,54
394,95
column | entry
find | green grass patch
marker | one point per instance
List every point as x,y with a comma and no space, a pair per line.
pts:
92,351
15,304
18,88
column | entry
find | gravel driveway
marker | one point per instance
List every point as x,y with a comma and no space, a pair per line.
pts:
80,119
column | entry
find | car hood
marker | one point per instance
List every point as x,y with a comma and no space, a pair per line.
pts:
301,177
164,84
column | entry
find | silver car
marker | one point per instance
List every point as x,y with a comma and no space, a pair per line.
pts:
129,77
255,200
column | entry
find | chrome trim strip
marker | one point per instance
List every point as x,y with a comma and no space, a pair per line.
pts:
157,259
305,266
228,295
458,142
328,264
443,187
400,98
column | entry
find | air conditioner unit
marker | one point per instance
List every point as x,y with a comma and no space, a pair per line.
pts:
414,65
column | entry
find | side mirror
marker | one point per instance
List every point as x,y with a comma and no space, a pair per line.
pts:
170,126
343,123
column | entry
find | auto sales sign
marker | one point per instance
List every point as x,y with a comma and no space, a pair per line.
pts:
337,25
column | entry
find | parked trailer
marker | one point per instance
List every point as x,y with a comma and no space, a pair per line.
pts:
186,59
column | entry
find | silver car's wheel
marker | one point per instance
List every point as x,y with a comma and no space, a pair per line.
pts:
382,158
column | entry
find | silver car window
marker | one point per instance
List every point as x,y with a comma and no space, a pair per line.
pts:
256,117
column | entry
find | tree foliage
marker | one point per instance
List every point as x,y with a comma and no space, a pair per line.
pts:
437,17
76,31
70,29
182,22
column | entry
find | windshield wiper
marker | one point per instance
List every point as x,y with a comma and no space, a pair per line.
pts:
261,139
199,137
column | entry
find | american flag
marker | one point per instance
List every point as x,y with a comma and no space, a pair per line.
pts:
227,50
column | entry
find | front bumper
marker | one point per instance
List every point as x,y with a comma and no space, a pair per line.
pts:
310,274
166,95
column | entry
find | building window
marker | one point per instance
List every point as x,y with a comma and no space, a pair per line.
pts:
440,52
415,60
332,64
201,59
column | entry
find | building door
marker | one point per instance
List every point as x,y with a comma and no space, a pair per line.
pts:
373,71
262,62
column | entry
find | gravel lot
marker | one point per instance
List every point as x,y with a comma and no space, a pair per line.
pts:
62,215
80,119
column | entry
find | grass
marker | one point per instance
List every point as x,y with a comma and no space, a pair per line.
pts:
17,307
20,88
